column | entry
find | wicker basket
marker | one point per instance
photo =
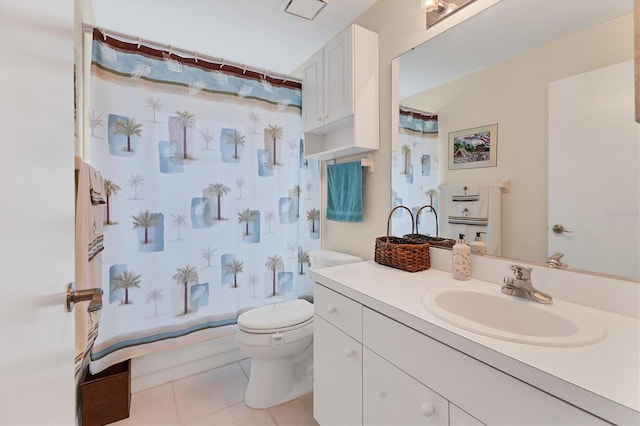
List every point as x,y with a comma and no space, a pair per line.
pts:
433,241
402,253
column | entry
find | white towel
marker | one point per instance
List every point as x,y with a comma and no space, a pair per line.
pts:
89,246
96,187
476,209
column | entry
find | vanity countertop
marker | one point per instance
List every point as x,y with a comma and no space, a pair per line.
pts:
603,378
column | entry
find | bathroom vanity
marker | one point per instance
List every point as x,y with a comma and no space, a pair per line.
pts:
381,356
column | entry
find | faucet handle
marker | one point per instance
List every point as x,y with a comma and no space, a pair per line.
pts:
554,261
521,272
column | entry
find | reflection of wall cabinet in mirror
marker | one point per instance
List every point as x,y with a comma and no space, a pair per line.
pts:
340,96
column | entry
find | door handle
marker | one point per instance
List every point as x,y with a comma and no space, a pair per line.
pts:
93,295
559,229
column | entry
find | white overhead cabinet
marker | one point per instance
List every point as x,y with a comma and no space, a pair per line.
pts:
340,96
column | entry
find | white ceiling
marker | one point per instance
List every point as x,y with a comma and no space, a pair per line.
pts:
498,33
257,33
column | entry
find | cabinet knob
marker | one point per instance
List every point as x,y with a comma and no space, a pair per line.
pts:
349,353
331,309
427,409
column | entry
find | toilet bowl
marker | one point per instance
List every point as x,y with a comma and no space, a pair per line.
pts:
278,339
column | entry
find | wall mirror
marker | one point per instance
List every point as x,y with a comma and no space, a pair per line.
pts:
556,80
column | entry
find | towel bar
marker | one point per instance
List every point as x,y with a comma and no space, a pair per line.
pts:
366,162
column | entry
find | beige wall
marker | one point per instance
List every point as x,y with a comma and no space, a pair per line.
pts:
400,26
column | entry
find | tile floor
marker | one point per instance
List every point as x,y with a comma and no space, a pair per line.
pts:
215,397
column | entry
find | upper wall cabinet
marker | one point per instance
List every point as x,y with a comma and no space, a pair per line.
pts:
340,96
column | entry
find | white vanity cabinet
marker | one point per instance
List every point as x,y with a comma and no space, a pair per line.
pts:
370,369
487,394
337,359
340,96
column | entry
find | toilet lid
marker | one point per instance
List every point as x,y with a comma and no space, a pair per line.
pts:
277,316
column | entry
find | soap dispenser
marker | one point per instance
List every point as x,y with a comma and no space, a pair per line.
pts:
461,266
478,246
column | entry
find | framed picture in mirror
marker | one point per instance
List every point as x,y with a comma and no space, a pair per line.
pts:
473,148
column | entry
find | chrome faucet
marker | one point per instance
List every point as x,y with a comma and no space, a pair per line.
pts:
520,286
554,261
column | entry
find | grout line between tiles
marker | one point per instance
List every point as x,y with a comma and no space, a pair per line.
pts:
175,402
272,418
245,373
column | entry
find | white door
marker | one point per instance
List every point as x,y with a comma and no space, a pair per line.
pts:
593,171
337,370
37,384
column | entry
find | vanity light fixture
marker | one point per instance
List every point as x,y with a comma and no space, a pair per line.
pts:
433,5
307,9
437,10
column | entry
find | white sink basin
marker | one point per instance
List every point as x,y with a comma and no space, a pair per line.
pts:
488,312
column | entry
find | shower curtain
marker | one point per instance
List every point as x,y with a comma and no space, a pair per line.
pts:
211,208
414,171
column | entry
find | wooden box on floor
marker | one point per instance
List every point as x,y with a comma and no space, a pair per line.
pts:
106,396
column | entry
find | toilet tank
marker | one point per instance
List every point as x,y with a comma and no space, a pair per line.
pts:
326,258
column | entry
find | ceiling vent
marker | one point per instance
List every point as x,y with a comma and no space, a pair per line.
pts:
307,9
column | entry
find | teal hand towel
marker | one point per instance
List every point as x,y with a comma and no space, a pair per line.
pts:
344,192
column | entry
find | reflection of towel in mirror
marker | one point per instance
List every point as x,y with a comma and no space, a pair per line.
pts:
469,217
344,192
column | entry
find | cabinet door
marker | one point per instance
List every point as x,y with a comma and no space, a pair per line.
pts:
344,313
338,77
337,370
457,417
312,92
392,397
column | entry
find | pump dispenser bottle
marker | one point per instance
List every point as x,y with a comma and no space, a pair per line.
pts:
478,246
461,266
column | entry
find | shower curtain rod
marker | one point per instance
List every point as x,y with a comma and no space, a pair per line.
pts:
416,111
189,53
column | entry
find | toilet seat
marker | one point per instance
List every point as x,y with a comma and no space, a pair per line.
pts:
275,330
277,317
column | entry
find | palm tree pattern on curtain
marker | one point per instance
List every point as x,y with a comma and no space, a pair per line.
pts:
185,276
125,281
208,165
127,127
187,121
111,189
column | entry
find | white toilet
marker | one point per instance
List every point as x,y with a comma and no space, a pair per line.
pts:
279,340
